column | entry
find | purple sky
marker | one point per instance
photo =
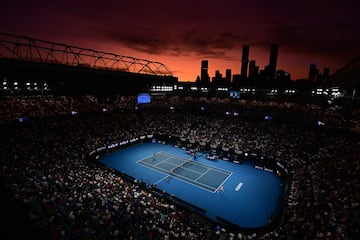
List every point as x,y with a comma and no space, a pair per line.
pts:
182,33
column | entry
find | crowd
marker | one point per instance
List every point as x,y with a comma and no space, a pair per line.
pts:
43,166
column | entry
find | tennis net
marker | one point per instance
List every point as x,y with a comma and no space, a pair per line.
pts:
172,170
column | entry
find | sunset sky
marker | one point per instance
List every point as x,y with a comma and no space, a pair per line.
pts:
180,34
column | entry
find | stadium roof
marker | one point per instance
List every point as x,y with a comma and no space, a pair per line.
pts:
34,50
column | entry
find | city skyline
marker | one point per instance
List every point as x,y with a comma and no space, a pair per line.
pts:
184,33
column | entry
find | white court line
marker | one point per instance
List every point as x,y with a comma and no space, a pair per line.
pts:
143,160
196,164
162,179
165,160
202,174
183,167
178,178
181,177
188,168
225,179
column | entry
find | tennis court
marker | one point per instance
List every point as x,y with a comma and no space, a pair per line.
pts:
200,175
248,197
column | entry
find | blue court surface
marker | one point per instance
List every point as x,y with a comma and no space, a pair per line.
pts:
249,198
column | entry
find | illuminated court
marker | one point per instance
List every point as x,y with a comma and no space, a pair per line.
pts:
249,197
198,174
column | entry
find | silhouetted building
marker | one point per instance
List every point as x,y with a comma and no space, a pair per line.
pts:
326,73
217,79
204,76
313,72
236,80
253,69
273,61
218,74
244,61
282,76
228,76
198,80
265,73
322,77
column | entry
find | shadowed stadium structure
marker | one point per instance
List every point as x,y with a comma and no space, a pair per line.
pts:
73,70
348,76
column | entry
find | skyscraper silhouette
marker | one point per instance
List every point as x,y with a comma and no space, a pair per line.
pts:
204,77
273,61
253,69
228,76
244,61
313,72
326,72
